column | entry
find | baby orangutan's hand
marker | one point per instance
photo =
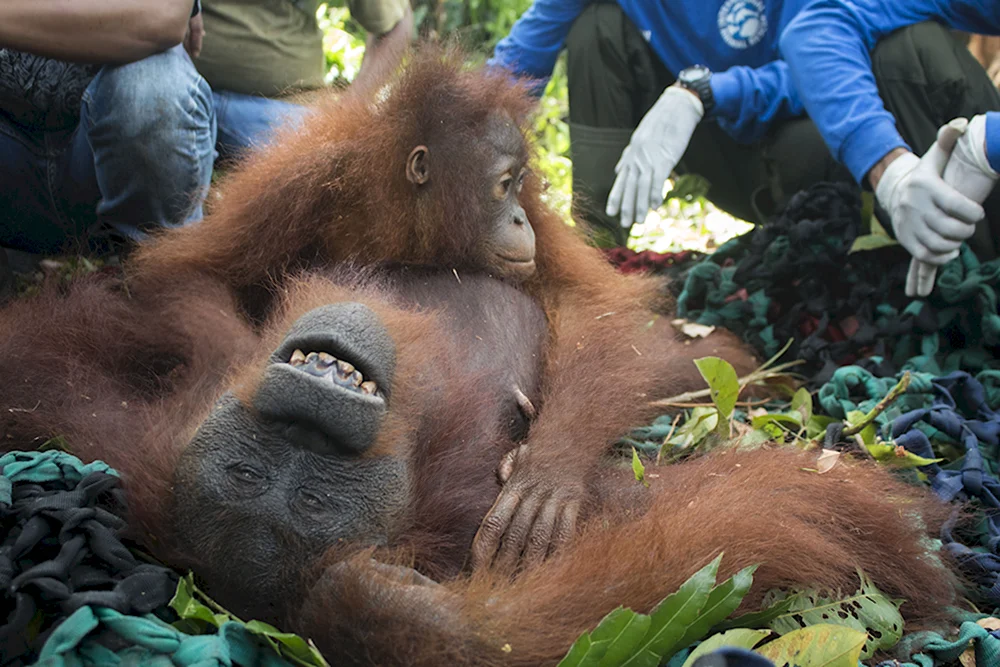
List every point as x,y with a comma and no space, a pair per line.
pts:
534,514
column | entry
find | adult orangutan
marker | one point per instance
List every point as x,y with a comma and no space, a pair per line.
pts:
269,426
335,482
436,173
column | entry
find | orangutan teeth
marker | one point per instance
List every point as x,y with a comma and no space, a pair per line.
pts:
337,371
326,360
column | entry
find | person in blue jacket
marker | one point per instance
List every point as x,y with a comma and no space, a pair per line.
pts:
878,131
656,85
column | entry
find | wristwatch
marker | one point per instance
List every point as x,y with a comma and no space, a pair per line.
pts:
699,79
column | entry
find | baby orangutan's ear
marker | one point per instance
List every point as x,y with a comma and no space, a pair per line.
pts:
418,171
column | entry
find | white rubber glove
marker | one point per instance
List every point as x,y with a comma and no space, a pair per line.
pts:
968,171
656,147
931,219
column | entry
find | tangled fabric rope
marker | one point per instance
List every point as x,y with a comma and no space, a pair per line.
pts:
774,284
60,522
77,642
953,411
74,594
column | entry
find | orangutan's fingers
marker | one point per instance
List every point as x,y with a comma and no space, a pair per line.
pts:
566,526
541,533
516,538
487,539
506,467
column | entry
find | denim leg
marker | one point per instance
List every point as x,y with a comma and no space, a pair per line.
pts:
30,217
151,128
246,121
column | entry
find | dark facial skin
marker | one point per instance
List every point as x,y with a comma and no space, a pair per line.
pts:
510,247
263,490
507,248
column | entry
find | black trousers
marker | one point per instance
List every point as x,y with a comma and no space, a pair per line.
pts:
925,77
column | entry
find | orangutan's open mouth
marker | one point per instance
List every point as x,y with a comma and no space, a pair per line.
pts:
337,371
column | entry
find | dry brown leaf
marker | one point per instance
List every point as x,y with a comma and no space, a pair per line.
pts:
827,460
991,623
692,329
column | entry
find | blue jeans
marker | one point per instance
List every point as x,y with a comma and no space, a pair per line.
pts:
141,157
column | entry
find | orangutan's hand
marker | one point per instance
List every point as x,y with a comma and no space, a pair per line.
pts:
534,514
378,595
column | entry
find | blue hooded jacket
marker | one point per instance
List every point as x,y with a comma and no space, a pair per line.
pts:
736,39
827,47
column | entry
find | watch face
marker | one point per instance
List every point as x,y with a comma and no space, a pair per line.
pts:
694,73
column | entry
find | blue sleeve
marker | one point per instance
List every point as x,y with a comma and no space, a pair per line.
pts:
827,47
993,139
533,45
748,100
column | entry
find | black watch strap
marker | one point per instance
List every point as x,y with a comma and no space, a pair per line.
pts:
699,79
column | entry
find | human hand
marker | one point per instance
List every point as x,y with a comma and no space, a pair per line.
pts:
931,218
656,147
534,514
195,33
968,171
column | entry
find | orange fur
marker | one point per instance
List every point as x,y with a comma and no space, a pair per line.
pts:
127,376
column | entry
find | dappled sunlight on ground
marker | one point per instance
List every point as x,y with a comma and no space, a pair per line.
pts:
686,225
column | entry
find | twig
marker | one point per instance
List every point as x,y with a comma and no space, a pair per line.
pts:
673,427
209,602
740,404
880,407
757,376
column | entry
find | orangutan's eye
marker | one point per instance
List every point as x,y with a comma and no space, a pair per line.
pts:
245,474
502,188
520,179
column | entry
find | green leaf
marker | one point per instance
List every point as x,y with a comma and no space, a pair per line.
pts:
868,432
878,237
189,608
672,618
823,645
624,644
868,214
289,645
762,618
638,469
689,187
871,242
900,457
198,618
762,421
724,385
722,601
700,423
802,404
816,428
57,443
754,439
739,637
589,649
868,611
